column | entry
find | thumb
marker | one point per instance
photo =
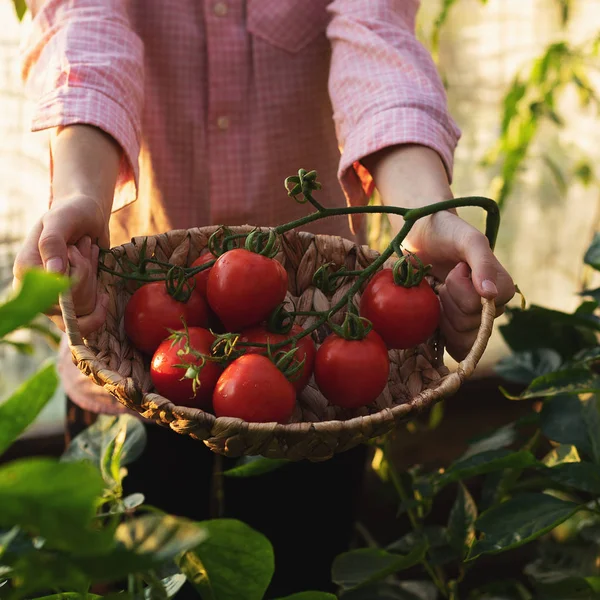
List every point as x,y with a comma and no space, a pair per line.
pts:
484,266
52,244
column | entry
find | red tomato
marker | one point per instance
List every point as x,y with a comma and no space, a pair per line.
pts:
169,380
352,373
403,317
245,287
202,277
306,349
150,312
253,389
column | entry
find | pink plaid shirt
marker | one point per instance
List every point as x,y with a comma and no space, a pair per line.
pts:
215,102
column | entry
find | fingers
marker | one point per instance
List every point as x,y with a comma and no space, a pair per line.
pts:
489,277
84,276
461,316
29,255
89,323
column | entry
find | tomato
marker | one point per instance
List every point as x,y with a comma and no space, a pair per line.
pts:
244,288
253,389
151,311
202,277
403,317
306,349
352,373
169,380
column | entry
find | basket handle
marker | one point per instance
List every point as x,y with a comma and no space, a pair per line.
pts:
67,308
488,315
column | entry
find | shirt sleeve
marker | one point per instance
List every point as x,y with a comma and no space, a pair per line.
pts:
82,63
384,88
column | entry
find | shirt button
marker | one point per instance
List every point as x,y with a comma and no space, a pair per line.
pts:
223,123
220,9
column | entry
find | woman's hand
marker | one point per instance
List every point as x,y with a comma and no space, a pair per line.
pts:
66,238
412,176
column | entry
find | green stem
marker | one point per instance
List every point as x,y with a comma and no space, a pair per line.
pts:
436,574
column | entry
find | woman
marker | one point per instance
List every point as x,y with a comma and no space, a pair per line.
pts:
178,114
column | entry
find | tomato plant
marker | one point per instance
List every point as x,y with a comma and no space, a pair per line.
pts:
306,349
192,386
152,311
244,288
252,388
352,373
403,316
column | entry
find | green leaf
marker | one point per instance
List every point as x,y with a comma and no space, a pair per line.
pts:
582,476
436,539
388,590
144,543
250,466
38,292
527,365
499,438
583,172
20,410
439,22
20,347
171,585
310,596
69,596
461,523
486,462
591,418
54,500
234,562
592,255
520,520
563,453
539,327
93,443
576,380
564,585
367,565
562,421
20,8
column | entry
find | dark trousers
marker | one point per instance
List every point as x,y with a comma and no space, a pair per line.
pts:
306,510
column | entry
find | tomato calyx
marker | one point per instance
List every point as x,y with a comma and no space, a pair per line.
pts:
225,345
262,242
406,273
222,240
287,362
354,327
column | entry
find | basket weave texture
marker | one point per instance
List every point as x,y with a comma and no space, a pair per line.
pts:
417,379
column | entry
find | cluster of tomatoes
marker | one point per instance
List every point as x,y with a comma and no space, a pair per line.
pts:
247,371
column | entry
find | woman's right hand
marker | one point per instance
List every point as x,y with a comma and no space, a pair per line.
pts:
67,238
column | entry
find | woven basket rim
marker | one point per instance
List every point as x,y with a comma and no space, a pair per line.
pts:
152,405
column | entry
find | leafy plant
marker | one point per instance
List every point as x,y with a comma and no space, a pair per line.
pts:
66,525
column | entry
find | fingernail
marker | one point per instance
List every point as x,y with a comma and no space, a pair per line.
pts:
54,265
489,287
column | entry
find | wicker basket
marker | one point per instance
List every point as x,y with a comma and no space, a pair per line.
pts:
418,377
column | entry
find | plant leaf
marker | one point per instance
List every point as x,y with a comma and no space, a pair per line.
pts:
486,462
563,453
92,443
520,520
54,500
310,596
527,365
592,254
582,476
22,408
388,590
576,380
562,421
499,438
461,523
367,565
234,562
539,327
20,8
38,292
251,466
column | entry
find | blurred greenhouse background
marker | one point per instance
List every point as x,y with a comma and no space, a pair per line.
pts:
522,79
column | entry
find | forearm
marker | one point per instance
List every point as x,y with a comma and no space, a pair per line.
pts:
85,164
408,176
